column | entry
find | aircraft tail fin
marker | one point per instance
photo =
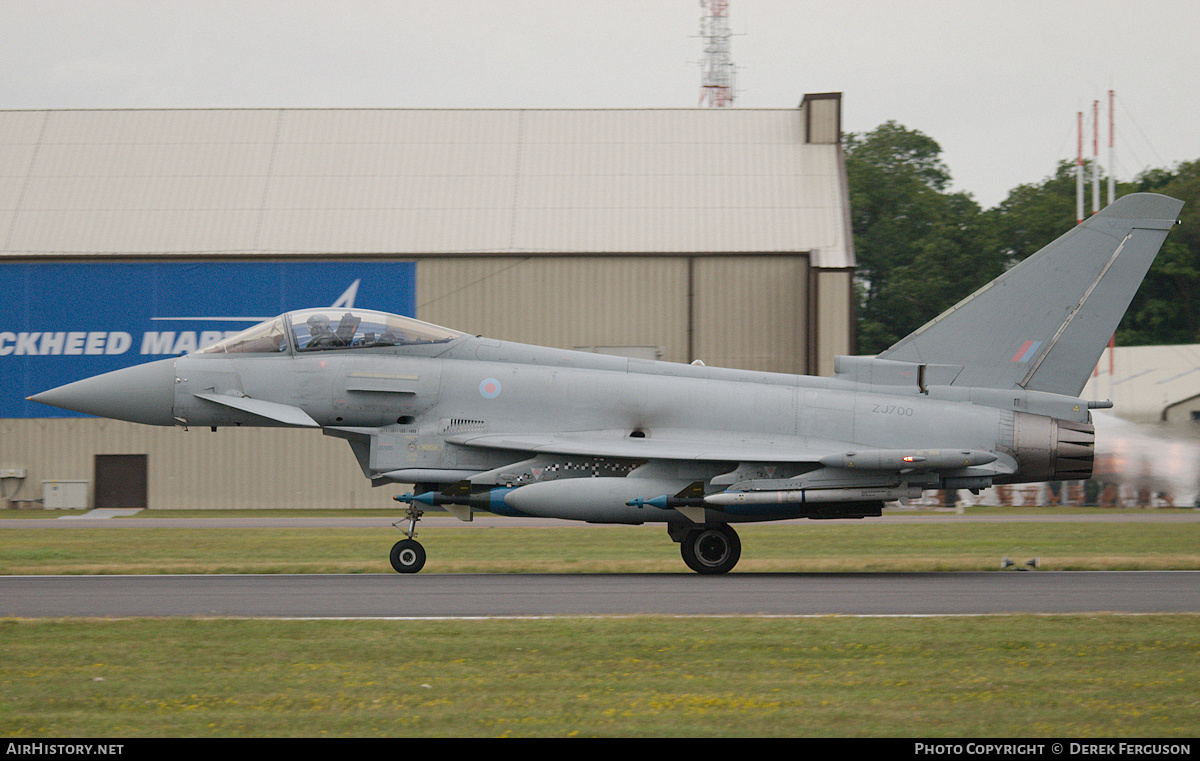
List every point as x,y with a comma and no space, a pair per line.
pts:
1043,324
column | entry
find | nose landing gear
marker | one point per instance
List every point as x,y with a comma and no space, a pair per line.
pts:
408,556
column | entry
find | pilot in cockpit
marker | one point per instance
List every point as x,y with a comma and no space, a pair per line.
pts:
321,335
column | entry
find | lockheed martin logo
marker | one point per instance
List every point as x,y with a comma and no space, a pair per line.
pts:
100,342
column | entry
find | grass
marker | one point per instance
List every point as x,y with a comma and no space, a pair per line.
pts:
1007,676
1077,676
813,546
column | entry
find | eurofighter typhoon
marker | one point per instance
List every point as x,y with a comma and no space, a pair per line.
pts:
987,393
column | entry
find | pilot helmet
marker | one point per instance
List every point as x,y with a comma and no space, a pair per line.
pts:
318,323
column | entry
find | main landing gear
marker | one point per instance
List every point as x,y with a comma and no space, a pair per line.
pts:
408,556
708,549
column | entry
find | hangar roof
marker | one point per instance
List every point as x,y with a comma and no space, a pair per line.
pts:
419,182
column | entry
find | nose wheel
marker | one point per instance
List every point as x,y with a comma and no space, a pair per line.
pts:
408,556
711,549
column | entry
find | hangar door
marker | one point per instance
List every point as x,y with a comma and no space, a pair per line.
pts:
735,310
121,480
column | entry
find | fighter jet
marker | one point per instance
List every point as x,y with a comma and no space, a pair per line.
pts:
986,393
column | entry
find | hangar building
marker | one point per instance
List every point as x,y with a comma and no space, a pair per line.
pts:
1150,384
675,234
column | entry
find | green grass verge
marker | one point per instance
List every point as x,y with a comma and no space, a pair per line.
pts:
812,546
995,676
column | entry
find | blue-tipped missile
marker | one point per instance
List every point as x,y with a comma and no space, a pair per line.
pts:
425,498
692,496
667,502
485,500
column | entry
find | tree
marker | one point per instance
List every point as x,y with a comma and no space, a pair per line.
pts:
1166,309
1033,215
919,249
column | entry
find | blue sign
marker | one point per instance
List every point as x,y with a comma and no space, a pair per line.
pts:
67,321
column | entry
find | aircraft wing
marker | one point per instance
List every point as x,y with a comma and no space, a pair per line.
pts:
715,446
712,446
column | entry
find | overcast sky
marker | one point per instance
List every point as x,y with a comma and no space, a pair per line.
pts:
997,83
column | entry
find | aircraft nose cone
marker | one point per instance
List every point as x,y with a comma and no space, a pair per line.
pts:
139,394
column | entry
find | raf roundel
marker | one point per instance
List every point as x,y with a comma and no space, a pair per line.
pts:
489,388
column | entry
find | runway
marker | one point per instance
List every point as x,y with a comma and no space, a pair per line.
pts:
526,595
429,595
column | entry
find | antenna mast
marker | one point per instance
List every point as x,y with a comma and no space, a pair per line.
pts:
1079,164
717,81
1112,165
1079,173
1095,156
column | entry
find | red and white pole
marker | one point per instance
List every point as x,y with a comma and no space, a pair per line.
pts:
1079,175
1112,163
1095,156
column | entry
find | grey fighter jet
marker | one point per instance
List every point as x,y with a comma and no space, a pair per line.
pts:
987,393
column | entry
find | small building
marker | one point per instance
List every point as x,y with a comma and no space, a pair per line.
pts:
1150,384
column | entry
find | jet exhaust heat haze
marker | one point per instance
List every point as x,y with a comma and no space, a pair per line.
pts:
985,394
1155,460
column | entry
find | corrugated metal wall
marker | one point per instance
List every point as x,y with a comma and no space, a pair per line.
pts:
832,319
749,312
565,302
196,469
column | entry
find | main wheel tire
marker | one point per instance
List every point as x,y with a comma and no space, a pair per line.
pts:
712,549
408,556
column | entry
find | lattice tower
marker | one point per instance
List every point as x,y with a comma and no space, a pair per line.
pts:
717,81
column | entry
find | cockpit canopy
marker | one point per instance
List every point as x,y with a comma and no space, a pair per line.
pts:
332,329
